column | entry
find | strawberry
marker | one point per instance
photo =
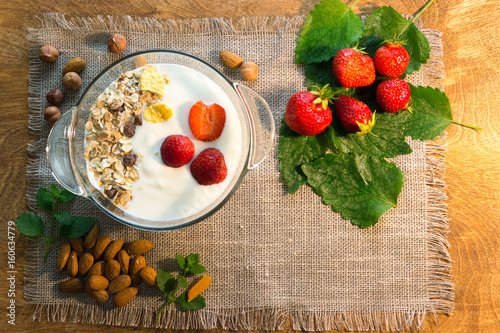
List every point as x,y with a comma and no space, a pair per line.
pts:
354,115
393,95
391,59
177,150
352,68
307,113
209,167
207,121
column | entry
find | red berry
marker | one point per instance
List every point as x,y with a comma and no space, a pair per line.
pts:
354,115
352,68
393,95
209,167
307,113
391,60
207,121
177,150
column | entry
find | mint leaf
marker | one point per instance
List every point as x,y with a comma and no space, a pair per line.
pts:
61,195
192,259
388,139
181,261
182,282
73,226
331,26
165,281
385,22
197,269
196,304
30,224
295,150
431,113
362,188
45,199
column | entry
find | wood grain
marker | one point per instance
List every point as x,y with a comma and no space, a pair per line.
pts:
472,69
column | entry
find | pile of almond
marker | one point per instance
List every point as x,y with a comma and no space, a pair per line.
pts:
100,267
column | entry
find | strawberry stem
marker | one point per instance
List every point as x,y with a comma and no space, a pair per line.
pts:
423,10
466,125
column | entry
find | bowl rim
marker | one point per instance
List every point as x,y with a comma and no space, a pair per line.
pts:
211,211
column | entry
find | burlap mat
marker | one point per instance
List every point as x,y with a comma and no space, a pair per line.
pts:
272,256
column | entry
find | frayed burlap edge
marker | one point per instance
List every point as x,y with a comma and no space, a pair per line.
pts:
440,287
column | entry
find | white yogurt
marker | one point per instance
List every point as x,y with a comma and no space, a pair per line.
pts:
165,193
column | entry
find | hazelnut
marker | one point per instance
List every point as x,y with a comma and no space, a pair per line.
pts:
249,71
117,43
48,54
52,113
55,96
139,61
72,80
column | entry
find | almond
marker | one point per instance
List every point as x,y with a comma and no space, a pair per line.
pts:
98,282
100,246
63,256
124,296
72,286
97,269
139,246
136,264
72,266
230,59
85,264
91,237
76,244
112,270
100,296
74,65
119,283
148,274
124,260
113,249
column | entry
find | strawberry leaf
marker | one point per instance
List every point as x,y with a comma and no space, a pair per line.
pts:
295,150
361,188
387,140
386,21
431,113
331,26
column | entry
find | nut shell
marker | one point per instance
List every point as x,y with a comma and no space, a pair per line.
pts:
52,114
112,270
85,264
48,54
63,256
72,80
117,43
124,296
119,283
55,96
249,71
113,249
74,65
72,286
98,282
139,246
230,59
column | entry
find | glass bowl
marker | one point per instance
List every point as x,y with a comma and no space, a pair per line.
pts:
66,141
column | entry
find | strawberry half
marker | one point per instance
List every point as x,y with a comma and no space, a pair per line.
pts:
307,113
207,121
391,59
209,167
393,95
177,150
352,68
354,115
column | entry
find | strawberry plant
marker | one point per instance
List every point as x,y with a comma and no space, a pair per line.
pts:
349,171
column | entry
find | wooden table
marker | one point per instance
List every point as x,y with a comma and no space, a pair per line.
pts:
472,65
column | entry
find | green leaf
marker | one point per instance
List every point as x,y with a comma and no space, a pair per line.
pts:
30,224
388,139
431,113
197,269
182,282
362,188
165,281
331,26
45,199
385,22
181,261
192,259
61,195
295,150
196,304
73,226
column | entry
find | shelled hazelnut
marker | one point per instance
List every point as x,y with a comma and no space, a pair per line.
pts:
48,54
55,96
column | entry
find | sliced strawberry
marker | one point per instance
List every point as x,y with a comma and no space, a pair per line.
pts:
177,150
209,167
207,121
